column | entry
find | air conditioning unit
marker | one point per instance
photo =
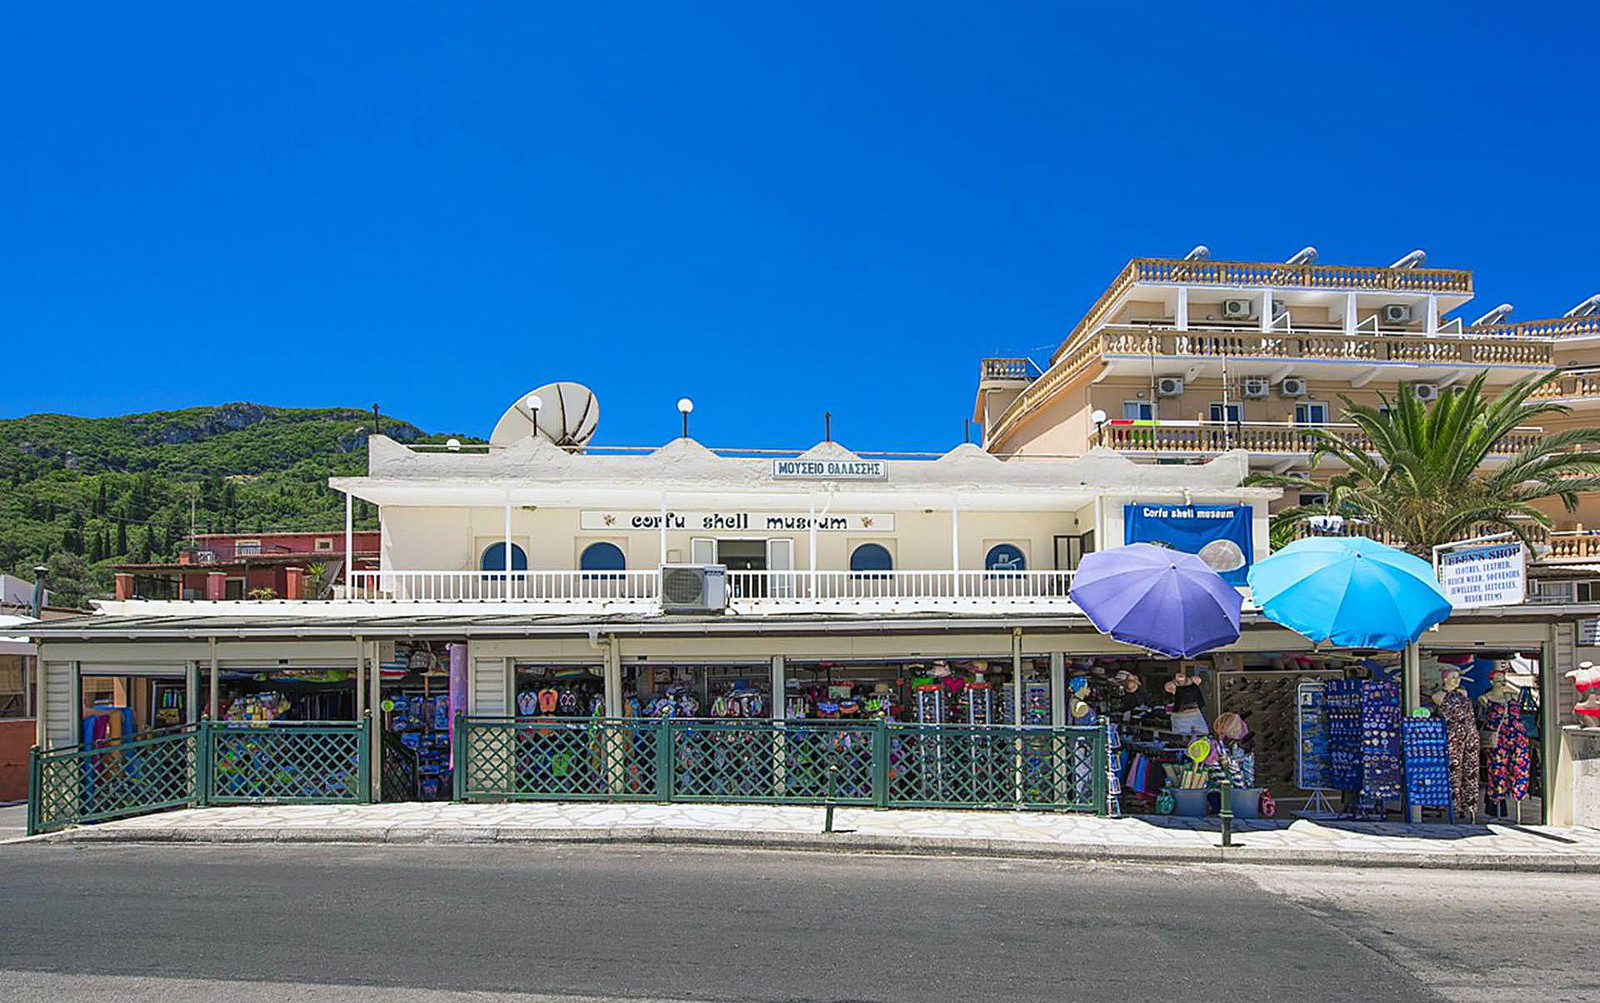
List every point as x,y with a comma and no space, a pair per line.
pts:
1238,309
1396,314
1256,387
1293,386
694,588
1169,386
1425,391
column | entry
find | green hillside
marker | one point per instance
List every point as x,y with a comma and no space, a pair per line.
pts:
81,494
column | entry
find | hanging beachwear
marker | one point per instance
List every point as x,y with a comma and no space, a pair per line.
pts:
1509,762
1461,735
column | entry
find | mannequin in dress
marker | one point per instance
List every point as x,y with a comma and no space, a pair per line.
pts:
1461,738
1501,715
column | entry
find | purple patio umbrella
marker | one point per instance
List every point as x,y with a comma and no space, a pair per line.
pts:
1164,600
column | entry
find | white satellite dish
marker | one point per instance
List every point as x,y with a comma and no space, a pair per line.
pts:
564,413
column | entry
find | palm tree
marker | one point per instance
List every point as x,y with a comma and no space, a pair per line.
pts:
1429,473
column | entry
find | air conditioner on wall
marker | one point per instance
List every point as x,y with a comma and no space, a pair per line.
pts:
1256,387
1292,386
1169,386
1396,314
1238,309
1425,391
694,588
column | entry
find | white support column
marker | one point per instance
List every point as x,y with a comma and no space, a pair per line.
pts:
1016,676
1350,313
41,706
613,677
214,699
1431,322
1181,311
361,676
778,673
191,692
375,735
955,534
1266,310
349,540
1058,688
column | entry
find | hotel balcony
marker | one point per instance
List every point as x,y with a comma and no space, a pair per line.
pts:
749,592
1271,440
1575,386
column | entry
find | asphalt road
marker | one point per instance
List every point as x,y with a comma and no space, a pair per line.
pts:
540,924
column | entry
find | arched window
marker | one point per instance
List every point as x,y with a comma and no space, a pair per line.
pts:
1005,557
494,558
871,557
602,557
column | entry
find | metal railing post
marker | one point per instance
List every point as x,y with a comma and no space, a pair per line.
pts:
204,767
35,789
1101,768
1226,814
664,785
364,757
458,757
880,763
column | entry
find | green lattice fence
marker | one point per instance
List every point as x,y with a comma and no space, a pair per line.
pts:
113,779
580,759
320,762
781,762
766,761
996,766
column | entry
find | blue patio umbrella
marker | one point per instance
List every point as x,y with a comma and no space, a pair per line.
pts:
1352,591
1160,599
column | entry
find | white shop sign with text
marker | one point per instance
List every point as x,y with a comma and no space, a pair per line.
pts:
737,521
830,470
1490,574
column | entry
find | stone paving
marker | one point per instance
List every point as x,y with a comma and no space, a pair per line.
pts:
1289,841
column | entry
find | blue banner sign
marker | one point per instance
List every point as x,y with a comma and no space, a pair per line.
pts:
1219,534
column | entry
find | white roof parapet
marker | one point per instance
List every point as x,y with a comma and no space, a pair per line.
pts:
686,465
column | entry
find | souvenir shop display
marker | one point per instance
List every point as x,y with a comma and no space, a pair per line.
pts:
1188,702
566,693
1311,762
1035,703
267,706
1342,702
1380,742
1462,742
1427,762
422,724
742,699
1586,680
978,703
1505,739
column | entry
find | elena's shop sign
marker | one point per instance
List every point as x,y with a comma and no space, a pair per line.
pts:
737,521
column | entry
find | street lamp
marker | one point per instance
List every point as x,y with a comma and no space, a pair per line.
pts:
685,405
1099,418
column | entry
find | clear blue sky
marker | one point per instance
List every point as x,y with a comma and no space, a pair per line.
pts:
774,210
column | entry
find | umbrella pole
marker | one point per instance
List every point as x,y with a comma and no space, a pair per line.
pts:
1410,701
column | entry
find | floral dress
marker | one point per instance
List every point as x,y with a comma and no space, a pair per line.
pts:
1509,763
1461,737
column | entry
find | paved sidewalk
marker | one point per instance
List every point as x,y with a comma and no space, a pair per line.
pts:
1032,834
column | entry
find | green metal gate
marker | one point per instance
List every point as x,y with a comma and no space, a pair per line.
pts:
112,779
211,762
287,762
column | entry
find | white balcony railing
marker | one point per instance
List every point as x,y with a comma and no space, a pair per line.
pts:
499,586
869,586
752,589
